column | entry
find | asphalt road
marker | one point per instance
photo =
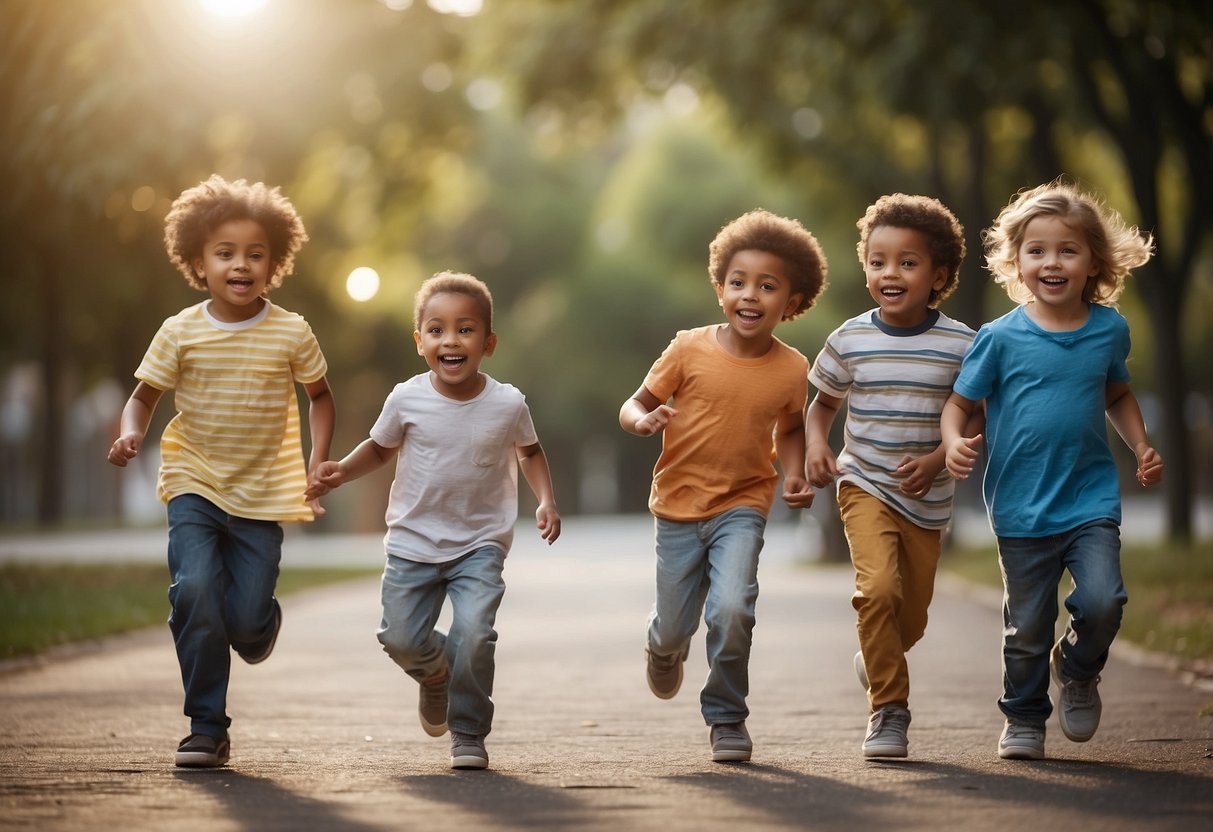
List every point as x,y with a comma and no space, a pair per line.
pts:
325,734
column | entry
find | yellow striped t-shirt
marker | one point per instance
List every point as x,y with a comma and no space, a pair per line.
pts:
235,439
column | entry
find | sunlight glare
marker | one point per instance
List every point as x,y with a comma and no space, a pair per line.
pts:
233,8
362,284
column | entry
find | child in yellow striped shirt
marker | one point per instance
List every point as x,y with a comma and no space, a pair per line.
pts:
231,459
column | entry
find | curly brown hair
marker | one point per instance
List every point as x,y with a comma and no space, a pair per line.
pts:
201,209
1116,247
929,217
456,283
784,237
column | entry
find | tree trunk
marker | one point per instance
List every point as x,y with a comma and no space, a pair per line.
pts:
53,351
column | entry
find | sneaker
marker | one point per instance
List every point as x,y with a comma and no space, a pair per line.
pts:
862,672
467,751
731,743
887,728
664,674
1080,707
1020,741
264,653
202,751
432,705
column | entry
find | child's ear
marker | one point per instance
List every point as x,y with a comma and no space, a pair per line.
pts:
719,292
793,304
490,343
941,278
417,341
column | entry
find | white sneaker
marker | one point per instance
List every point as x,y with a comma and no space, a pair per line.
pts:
1020,741
861,671
1080,707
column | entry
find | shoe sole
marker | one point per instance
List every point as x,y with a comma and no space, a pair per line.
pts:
731,756
1016,752
433,730
861,672
469,761
886,751
196,759
1055,673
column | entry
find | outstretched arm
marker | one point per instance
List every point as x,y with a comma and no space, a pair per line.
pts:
822,465
644,414
322,415
136,416
534,465
789,447
328,475
1125,413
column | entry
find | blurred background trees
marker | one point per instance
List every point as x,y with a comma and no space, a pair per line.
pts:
578,155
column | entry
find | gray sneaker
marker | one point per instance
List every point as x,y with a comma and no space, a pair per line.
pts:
887,727
467,751
432,705
731,743
1080,706
1020,741
861,671
664,673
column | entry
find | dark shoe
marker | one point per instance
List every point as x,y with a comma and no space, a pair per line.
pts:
432,705
202,751
731,743
1080,707
887,729
467,751
264,653
664,674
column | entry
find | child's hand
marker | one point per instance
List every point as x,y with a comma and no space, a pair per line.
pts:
918,474
962,456
327,476
124,449
1149,468
316,508
655,420
822,465
548,521
797,492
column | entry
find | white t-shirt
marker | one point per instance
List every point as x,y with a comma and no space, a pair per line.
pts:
456,486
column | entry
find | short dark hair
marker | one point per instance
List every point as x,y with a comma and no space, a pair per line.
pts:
784,237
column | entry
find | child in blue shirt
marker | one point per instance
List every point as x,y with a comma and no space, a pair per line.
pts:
1048,372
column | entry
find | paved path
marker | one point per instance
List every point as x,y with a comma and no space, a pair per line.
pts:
325,733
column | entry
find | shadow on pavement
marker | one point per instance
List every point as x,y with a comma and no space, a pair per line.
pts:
790,797
501,800
257,803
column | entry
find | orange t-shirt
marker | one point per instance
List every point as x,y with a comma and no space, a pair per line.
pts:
718,453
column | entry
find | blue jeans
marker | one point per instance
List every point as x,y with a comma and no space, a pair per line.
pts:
710,567
1031,569
223,570
413,594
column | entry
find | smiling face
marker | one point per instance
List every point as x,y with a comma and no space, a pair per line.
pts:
454,338
237,266
900,274
1055,263
755,296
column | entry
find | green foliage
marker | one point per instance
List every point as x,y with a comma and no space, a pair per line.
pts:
50,604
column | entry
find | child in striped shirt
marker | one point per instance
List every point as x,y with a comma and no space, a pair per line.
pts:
231,458
894,365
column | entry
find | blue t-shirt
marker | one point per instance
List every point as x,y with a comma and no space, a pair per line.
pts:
1050,468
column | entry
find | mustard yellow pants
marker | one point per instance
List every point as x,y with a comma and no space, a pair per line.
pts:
895,562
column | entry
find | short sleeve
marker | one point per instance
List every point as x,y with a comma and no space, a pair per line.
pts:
978,368
1118,367
308,364
829,372
388,429
666,374
160,364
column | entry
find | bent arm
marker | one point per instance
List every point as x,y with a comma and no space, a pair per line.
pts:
644,414
132,427
1124,412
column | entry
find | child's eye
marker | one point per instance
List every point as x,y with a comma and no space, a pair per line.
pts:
434,330
908,264
465,330
768,287
876,264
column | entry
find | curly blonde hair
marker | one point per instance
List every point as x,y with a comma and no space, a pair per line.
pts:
1116,247
456,283
928,216
785,238
201,209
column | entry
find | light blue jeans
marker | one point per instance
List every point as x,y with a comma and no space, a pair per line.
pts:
1031,569
413,595
710,567
223,570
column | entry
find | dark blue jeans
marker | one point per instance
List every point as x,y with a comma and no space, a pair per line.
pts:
223,571
1031,570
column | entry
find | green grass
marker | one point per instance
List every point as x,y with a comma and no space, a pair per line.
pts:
1170,607
44,605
